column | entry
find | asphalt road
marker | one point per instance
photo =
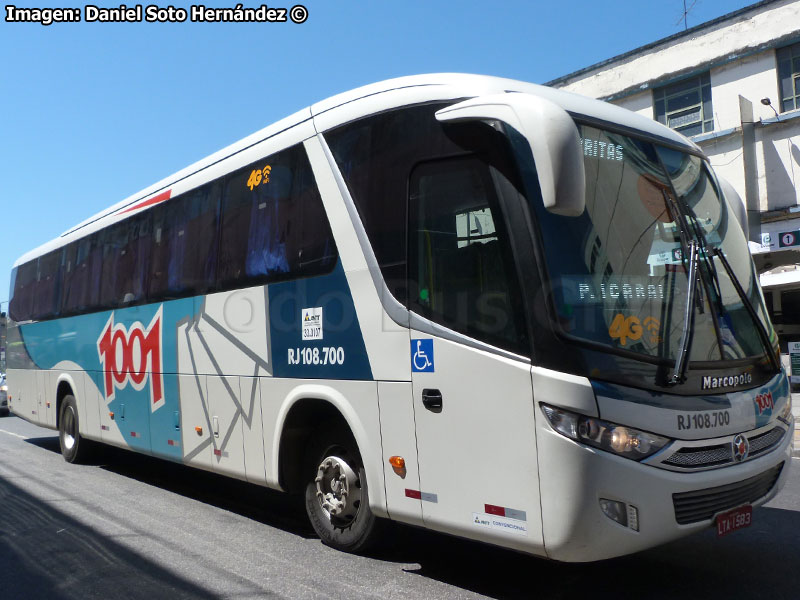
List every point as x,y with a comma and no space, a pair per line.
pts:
129,526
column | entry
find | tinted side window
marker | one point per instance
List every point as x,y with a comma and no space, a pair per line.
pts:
461,271
21,303
386,157
275,229
375,156
81,276
134,259
126,251
184,244
46,296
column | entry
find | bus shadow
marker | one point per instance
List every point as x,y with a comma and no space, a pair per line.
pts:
761,561
47,554
48,442
261,504
763,557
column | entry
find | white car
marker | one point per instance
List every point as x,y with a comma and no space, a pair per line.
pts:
3,394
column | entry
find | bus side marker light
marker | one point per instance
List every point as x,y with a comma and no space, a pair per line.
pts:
48,405
111,416
398,466
199,430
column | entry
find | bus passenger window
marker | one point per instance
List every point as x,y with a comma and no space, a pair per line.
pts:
81,276
126,249
45,299
184,244
275,229
24,284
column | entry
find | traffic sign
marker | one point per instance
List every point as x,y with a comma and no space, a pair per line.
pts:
789,238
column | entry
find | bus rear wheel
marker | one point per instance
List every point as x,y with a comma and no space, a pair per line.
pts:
74,448
336,495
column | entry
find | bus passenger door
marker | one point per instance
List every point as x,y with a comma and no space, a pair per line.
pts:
473,401
475,440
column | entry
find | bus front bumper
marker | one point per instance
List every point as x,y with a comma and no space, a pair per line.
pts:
574,478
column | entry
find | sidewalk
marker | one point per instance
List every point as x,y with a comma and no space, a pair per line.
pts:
796,448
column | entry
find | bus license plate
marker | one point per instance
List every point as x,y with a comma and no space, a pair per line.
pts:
735,519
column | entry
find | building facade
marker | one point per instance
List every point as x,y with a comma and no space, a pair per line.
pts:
733,86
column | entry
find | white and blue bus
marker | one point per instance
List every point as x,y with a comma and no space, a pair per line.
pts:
465,303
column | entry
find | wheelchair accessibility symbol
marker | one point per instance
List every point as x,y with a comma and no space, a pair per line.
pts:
422,356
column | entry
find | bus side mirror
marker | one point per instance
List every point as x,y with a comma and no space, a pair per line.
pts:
736,204
552,136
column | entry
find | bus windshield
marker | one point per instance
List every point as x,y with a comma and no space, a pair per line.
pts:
619,272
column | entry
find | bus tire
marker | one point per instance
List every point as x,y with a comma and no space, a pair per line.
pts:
336,495
74,448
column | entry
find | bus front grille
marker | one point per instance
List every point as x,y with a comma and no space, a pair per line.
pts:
702,505
718,455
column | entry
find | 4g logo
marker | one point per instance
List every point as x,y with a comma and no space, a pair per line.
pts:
130,356
258,176
623,329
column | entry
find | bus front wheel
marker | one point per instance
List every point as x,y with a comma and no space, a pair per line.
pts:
336,496
74,448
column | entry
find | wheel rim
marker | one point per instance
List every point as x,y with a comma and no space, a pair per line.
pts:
338,490
68,433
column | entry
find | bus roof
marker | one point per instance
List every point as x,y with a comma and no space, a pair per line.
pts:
417,89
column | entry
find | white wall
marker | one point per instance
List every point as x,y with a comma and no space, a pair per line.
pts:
754,77
717,44
641,103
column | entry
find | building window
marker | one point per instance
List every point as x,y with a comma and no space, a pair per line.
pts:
789,77
685,106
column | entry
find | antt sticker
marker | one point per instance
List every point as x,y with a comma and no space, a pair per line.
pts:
132,356
311,319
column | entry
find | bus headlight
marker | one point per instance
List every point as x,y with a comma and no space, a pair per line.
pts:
617,439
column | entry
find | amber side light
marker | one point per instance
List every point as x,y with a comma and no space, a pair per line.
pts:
199,430
398,465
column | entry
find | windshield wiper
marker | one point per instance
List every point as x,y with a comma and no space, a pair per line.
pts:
706,251
680,220
760,327
681,361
